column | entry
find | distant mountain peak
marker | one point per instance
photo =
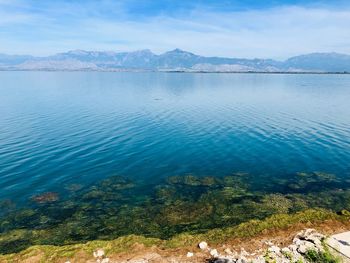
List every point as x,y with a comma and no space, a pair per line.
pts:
178,51
77,52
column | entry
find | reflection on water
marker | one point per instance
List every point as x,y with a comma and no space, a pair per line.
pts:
99,155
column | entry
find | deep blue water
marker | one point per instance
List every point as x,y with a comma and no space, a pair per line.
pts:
62,128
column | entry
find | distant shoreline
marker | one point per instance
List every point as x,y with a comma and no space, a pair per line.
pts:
178,71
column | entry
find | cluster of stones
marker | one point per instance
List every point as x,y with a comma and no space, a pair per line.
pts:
99,255
304,241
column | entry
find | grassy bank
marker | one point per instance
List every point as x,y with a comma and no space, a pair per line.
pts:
126,244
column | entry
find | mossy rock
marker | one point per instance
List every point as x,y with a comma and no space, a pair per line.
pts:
116,183
189,180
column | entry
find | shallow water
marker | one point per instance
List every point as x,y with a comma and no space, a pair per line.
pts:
65,132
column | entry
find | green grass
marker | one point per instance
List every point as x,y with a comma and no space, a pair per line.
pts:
314,256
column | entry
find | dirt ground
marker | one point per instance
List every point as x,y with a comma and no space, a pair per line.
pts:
257,244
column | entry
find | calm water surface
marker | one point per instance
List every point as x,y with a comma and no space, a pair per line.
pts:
63,128
87,155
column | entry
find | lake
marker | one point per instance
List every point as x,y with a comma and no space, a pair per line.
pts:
123,144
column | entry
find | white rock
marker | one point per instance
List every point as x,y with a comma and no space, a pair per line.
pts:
105,260
203,245
242,260
244,253
293,247
99,253
316,238
305,246
309,232
274,249
228,251
189,254
259,259
297,241
214,253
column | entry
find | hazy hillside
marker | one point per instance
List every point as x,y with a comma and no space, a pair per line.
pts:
177,59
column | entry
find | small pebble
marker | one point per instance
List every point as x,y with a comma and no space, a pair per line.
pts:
189,254
203,245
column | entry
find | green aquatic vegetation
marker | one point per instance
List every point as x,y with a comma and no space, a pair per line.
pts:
73,187
191,180
15,241
335,199
184,180
298,182
116,183
24,217
165,193
277,202
233,192
209,181
7,205
181,212
118,207
326,176
299,203
313,181
99,194
248,229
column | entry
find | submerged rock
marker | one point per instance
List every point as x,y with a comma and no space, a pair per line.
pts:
45,197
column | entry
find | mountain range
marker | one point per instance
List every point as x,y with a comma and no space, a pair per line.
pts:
175,60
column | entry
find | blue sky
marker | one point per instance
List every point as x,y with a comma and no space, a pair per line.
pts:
265,29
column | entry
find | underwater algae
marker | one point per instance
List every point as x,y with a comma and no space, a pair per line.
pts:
173,212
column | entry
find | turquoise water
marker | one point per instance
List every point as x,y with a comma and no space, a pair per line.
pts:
66,133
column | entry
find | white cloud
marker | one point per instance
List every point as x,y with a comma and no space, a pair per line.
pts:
277,32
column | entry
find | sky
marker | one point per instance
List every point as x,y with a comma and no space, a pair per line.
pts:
230,28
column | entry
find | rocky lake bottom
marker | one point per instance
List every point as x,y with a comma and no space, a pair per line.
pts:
118,207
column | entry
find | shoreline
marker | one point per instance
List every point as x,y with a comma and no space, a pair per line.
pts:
251,236
178,71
